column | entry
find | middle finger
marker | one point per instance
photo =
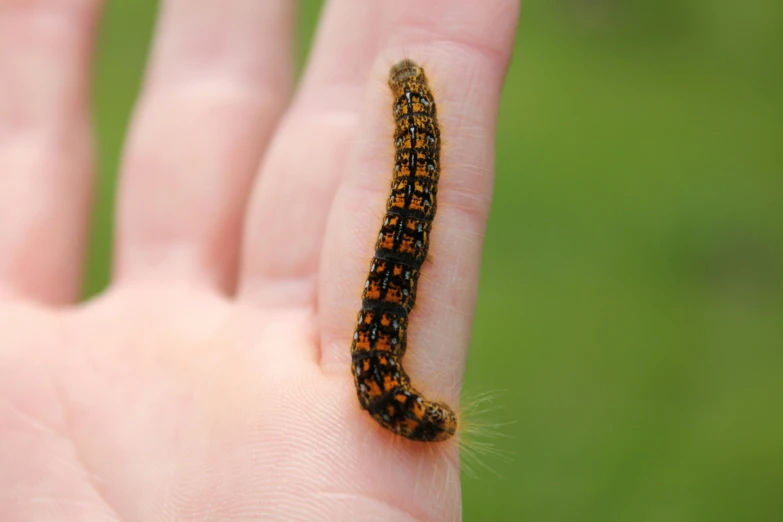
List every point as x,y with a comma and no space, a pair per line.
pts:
287,214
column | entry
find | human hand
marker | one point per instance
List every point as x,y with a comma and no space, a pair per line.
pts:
211,381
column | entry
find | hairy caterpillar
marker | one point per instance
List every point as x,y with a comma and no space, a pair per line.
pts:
380,339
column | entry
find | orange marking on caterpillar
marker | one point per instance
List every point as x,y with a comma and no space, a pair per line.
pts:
379,342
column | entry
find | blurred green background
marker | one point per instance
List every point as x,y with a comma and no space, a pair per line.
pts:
631,305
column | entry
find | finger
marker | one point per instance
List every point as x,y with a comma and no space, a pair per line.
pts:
287,214
45,146
219,77
464,49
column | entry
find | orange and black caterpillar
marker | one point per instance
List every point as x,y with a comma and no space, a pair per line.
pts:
379,341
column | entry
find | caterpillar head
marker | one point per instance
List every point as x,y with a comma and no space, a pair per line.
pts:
405,71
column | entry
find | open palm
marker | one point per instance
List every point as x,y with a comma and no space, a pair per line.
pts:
211,381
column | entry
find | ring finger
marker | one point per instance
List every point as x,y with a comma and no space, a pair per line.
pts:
218,79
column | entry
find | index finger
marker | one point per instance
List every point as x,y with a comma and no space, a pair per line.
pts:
464,48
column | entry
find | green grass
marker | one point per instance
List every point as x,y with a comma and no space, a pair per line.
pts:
631,304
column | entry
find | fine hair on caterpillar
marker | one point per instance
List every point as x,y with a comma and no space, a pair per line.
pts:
380,340
478,433
477,436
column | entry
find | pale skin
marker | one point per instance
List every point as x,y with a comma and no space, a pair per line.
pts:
211,380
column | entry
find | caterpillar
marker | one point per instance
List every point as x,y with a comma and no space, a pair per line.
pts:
380,338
